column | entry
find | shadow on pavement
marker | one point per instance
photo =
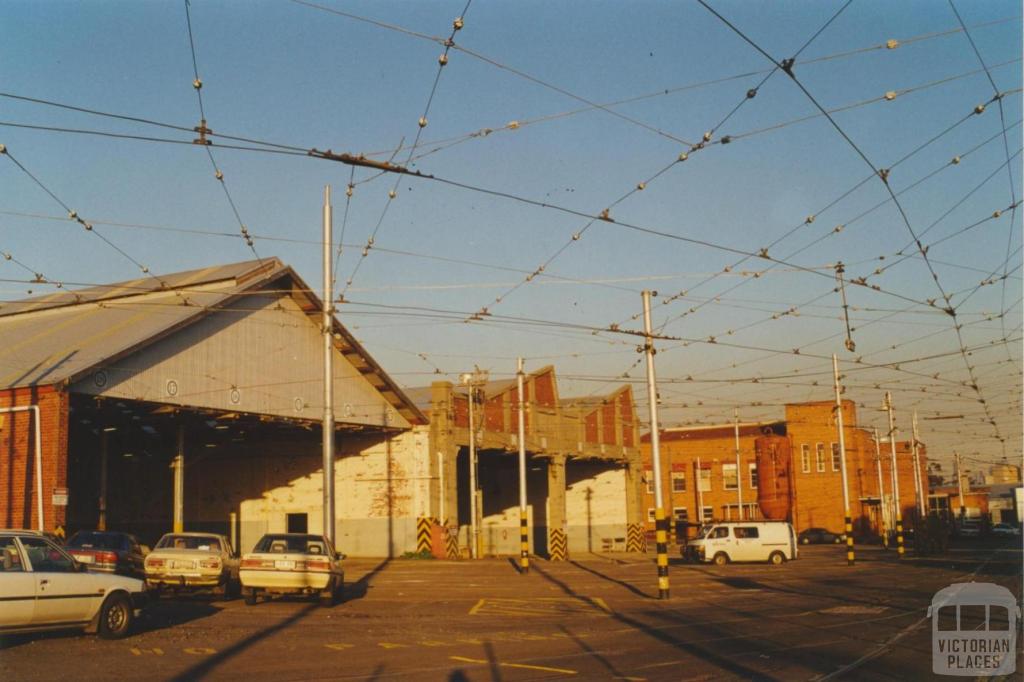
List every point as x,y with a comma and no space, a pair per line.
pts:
166,613
703,653
632,588
358,589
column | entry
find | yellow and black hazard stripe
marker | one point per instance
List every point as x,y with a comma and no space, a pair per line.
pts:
899,536
524,543
636,539
661,538
451,541
423,524
558,544
849,541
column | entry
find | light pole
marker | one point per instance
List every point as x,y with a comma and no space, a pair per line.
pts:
887,406
524,531
661,523
842,462
473,380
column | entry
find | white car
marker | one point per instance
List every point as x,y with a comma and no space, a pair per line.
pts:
191,562
43,588
292,563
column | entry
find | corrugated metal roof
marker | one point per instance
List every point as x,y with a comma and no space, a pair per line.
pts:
60,337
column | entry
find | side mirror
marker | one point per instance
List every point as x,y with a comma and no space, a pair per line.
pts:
145,549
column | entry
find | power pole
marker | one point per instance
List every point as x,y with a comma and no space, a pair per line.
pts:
739,470
700,494
960,486
887,405
842,462
881,494
918,483
328,334
473,380
660,522
524,530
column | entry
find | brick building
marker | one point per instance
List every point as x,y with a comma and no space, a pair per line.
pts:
799,478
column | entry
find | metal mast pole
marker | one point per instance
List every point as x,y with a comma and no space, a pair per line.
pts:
472,474
700,494
960,486
739,470
895,476
328,334
842,462
524,531
881,494
660,522
918,483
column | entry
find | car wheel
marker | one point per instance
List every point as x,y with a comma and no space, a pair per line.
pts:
721,559
777,558
116,617
836,540
805,541
250,596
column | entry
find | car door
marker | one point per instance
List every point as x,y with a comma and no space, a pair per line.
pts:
17,586
63,594
747,544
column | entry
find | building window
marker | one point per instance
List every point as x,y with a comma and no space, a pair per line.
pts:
751,512
836,457
650,514
753,474
708,514
820,457
679,481
729,480
649,477
805,458
680,514
705,480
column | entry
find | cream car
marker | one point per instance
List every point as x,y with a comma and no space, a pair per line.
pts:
292,563
43,588
192,562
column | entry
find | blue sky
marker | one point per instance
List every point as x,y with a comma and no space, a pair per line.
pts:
298,75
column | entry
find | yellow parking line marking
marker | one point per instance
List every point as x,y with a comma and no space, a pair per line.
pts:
600,602
339,646
391,645
476,608
431,642
564,671
200,650
155,651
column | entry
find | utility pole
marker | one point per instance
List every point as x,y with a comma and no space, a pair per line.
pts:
700,494
327,323
473,380
739,470
524,530
842,462
881,494
960,486
918,483
887,405
660,522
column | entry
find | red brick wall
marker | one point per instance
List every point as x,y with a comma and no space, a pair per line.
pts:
17,456
608,424
626,414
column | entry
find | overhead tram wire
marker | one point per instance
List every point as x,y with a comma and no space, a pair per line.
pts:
87,226
1006,144
883,175
203,131
457,25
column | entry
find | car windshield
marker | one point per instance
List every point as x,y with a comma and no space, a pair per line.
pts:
203,542
96,540
291,544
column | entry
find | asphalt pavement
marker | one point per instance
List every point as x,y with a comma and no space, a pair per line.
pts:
596,616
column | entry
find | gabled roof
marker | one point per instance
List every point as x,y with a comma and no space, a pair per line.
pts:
61,337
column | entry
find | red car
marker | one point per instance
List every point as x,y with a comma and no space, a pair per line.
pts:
107,551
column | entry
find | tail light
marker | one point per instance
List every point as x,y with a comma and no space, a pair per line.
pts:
318,565
209,563
256,563
154,563
106,557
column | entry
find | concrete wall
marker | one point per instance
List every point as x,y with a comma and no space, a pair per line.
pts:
595,504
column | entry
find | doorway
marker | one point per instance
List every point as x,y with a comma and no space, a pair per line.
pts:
298,523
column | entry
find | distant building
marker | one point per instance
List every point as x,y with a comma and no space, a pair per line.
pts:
788,469
1003,473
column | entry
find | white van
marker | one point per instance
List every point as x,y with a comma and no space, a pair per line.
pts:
771,541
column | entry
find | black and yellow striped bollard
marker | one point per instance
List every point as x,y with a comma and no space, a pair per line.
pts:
661,538
524,545
849,542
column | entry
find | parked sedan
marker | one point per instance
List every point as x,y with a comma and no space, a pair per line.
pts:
43,588
818,536
292,563
1005,530
107,551
193,562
